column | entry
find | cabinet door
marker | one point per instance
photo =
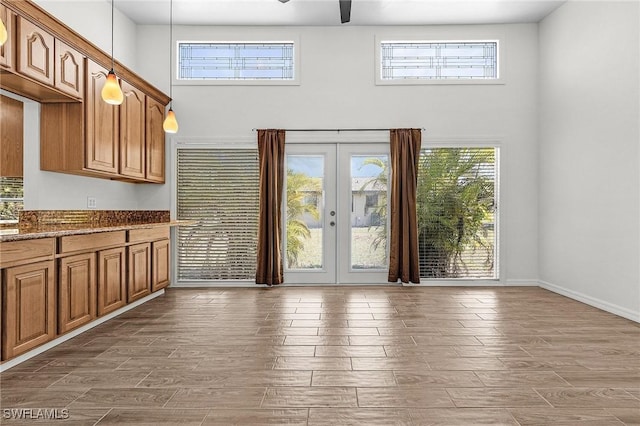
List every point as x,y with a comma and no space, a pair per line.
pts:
29,307
132,134
12,137
69,70
112,285
160,265
35,52
76,291
155,141
102,121
6,50
139,282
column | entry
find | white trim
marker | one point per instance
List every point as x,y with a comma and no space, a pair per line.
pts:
591,301
240,142
214,284
456,282
53,343
532,282
252,284
336,137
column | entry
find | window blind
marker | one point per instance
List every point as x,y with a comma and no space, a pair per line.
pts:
456,213
218,188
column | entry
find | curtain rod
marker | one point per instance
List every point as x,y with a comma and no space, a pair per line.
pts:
336,130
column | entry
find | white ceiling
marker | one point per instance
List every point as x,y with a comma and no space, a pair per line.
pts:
327,12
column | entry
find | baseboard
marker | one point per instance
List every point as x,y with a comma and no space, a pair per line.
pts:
592,301
456,283
43,348
216,284
522,283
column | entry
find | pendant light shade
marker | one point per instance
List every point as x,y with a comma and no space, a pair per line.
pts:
170,124
3,33
111,92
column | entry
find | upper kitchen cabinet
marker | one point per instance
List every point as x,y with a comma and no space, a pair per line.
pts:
97,139
6,50
35,52
155,141
37,65
102,124
69,70
46,61
132,132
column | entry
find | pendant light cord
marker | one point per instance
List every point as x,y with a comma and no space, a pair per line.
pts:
112,21
170,54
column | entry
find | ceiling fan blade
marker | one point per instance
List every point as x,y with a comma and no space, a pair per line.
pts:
345,10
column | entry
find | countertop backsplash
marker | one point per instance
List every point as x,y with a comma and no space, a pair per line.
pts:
91,218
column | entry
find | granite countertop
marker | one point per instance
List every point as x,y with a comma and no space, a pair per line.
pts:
48,231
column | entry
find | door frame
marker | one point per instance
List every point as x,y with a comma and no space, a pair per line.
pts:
343,147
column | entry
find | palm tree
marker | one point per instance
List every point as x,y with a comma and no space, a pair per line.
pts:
298,186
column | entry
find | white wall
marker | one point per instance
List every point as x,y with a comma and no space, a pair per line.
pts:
337,90
589,202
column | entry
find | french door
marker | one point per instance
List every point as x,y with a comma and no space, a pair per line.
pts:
335,213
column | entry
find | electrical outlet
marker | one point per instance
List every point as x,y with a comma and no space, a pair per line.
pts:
92,203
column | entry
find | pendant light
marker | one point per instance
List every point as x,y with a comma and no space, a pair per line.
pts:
111,91
170,124
3,33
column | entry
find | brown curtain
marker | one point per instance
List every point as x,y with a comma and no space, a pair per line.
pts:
271,160
403,246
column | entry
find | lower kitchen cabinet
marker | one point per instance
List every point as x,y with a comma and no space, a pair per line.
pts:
160,262
77,300
29,301
139,266
52,286
112,285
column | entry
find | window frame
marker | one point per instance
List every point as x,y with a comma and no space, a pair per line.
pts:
500,60
178,143
499,226
295,81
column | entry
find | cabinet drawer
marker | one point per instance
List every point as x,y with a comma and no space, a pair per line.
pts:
149,234
16,252
92,242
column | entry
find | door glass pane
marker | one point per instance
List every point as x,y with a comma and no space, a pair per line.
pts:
305,201
369,176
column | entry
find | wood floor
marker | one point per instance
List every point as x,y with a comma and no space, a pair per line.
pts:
342,355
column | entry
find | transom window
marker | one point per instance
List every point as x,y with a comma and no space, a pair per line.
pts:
240,61
443,60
